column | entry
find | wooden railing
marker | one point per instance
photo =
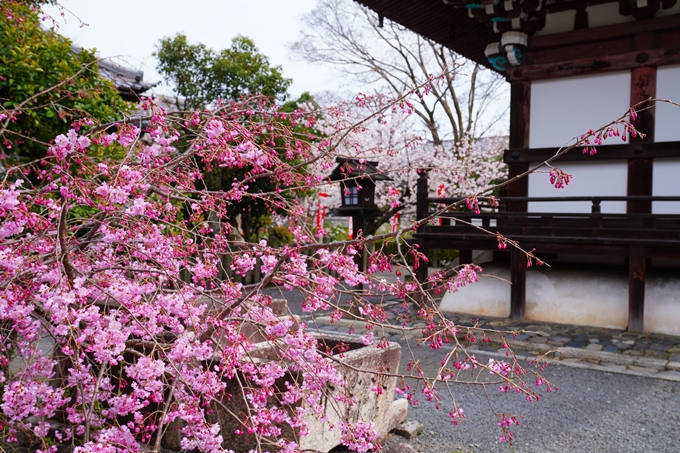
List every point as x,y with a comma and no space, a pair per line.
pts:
636,236
561,224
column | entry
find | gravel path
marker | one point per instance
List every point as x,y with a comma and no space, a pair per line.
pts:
592,412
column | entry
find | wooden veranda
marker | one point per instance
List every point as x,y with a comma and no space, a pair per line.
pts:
635,236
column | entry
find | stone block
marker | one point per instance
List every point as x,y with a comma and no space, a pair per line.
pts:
642,369
613,367
280,307
618,359
409,429
655,354
398,414
398,447
670,375
574,344
673,366
660,347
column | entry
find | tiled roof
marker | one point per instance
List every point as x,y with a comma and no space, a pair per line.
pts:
129,83
451,27
355,168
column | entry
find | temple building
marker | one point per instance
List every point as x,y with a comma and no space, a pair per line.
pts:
572,66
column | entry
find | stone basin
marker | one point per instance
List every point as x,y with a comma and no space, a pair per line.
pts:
382,409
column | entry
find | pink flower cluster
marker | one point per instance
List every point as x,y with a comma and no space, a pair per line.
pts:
559,178
70,143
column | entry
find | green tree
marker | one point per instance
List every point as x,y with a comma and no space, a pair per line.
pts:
45,85
255,213
201,75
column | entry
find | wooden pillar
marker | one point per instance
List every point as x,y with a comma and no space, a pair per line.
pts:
640,170
520,103
421,213
519,188
636,288
357,227
640,176
422,191
465,257
642,87
518,280
640,173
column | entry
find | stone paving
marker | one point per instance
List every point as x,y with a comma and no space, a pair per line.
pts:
611,349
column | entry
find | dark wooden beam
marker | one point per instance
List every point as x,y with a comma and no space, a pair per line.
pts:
580,249
518,280
558,244
636,288
598,65
604,51
595,49
658,24
662,252
643,149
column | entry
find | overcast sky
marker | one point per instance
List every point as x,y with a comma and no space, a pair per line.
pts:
130,29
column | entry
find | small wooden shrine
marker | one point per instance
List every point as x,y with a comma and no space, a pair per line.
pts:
357,179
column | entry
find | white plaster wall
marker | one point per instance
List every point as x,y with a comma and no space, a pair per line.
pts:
593,296
667,125
668,263
589,179
488,297
662,303
569,107
606,14
665,183
559,22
